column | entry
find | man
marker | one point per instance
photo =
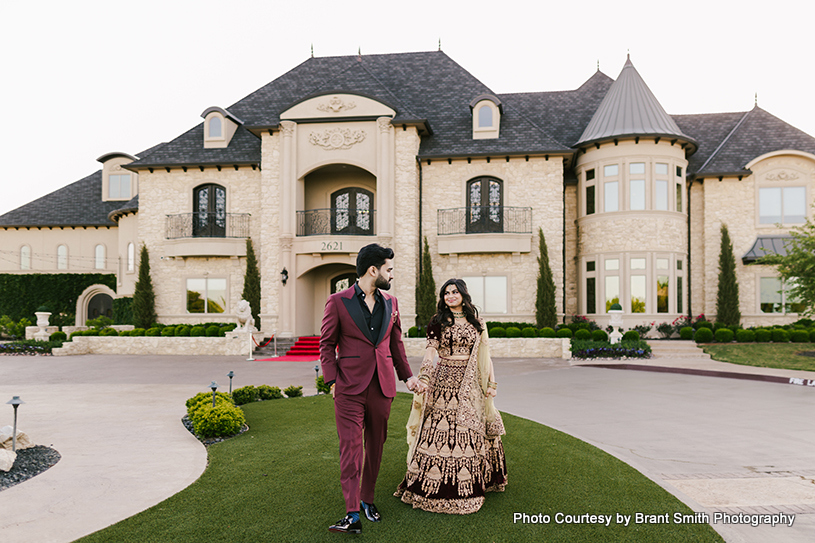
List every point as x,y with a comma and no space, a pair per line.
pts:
360,344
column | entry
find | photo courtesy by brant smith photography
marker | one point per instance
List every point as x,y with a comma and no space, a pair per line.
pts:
638,518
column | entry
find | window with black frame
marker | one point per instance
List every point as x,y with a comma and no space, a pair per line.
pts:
485,205
352,212
209,211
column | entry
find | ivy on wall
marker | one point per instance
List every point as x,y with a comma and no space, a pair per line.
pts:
22,294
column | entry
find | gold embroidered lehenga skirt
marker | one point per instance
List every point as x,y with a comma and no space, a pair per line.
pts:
452,466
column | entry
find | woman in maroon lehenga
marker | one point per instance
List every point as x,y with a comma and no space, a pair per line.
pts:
455,453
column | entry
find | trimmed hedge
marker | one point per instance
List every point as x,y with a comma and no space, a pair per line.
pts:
604,349
745,336
724,335
293,391
513,331
564,332
244,395
686,332
265,392
582,333
213,331
123,310
497,332
599,335
219,421
547,332
529,332
780,336
631,335
703,335
799,336
763,335
22,294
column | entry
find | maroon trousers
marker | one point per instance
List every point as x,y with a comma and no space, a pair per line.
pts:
365,414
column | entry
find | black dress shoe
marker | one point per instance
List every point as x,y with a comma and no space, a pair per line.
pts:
346,525
370,511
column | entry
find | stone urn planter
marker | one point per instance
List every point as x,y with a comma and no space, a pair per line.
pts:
42,322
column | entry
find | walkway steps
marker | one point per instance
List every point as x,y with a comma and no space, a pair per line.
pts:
672,348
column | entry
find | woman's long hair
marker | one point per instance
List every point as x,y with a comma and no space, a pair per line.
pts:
444,316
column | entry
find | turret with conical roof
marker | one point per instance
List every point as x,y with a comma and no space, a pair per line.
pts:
630,109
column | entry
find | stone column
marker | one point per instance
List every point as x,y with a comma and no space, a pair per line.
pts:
288,217
385,180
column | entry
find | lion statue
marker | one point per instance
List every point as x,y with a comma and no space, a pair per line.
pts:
245,319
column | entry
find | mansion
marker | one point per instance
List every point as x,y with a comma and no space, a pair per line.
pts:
341,152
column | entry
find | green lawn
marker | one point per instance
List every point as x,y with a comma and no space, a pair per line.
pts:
280,482
766,355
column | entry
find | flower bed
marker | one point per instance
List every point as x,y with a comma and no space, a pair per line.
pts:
604,349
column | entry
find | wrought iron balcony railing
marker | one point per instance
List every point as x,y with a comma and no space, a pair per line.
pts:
485,220
335,221
207,225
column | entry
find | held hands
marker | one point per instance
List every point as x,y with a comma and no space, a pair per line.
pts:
414,385
492,392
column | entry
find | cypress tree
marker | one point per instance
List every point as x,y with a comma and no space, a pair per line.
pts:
251,282
144,299
545,307
727,297
425,290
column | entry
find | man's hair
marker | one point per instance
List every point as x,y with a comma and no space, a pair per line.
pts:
372,255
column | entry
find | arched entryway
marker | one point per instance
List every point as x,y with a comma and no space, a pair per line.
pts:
313,289
95,301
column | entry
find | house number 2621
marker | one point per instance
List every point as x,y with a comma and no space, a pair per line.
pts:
332,246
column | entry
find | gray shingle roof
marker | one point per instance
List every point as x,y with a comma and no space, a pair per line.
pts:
629,109
766,245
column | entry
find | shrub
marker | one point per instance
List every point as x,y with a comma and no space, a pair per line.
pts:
108,332
245,395
182,331
198,331
293,391
718,325
745,336
265,392
642,330
137,332
219,421
547,332
812,336
153,332
703,335
799,336
582,334
321,386
29,346
99,323
498,332
212,331
58,336
686,332
204,399
604,349
564,332
413,331
90,333
168,331
665,329
513,331
529,332
763,335
703,324
631,335
724,335
599,335
780,336
14,330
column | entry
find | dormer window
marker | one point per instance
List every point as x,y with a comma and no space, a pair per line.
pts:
119,186
117,182
486,111
219,127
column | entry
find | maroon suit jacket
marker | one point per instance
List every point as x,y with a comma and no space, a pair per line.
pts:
349,354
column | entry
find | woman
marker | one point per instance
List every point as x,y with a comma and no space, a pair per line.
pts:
455,453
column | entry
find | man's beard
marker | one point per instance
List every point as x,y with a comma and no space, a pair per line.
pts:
382,283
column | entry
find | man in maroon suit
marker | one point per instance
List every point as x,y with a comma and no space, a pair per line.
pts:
360,344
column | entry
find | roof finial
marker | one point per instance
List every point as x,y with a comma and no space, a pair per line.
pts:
628,54
312,50
440,44
756,104
598,64
359,54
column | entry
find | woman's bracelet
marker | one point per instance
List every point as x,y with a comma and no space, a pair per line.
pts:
492,384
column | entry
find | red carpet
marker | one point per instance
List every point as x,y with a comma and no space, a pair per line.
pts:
295,358
307,349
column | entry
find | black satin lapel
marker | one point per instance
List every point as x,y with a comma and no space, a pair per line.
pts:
386,315
352,305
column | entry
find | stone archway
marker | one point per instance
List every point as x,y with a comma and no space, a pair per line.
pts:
95,298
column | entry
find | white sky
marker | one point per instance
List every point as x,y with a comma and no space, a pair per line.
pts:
83,78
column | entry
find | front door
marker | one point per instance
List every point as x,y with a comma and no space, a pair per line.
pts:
342,282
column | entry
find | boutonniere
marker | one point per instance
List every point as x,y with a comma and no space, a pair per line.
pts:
394,316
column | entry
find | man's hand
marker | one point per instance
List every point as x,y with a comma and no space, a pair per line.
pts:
332,389
415,385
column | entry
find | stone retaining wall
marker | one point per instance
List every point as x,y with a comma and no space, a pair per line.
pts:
509,348
236,345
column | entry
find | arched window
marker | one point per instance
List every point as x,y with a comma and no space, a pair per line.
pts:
62,257
131,257
215,127
352,212
209,211
485,205
342,282
25,257
99,262
485,116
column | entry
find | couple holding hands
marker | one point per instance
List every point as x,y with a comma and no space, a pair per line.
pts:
455,453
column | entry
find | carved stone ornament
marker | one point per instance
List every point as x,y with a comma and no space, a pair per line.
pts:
117,168
782,176
335,104
336,138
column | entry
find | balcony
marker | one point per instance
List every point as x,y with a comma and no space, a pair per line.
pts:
207,234
335,222
485,229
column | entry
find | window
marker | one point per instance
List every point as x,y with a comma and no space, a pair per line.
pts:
209,211
119,186
662,285
489,293
679,197
679,295
612,198
636,168
215,130
62,257
612,283
661,169
637,194
352,211
661,195
775,297
25,257
131,257
342,282
590,200
485,210
485,117
591,288
590,174
611,170
679,171
637,286
99,260
784,205
206,295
